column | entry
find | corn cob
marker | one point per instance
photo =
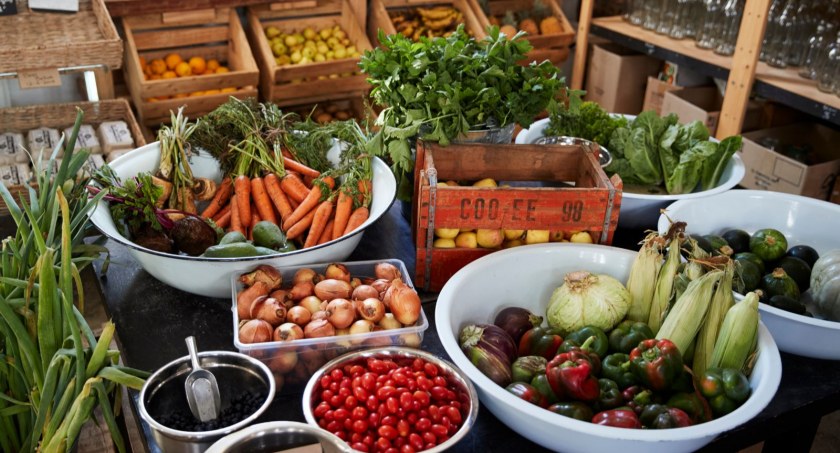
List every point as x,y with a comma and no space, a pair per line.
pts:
665,285
721,302
685,318
738,335
642,281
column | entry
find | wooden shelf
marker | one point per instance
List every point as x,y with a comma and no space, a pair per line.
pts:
780,85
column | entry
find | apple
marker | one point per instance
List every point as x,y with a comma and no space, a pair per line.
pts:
447,233
537,236
512,243
444,243
466,240
489,239
513,234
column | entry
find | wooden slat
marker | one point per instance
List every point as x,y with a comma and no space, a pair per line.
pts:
582,46
155,113
742,75
154,21
318,90
196,16
178,38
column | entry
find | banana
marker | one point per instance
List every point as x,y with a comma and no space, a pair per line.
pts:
440,25
436,13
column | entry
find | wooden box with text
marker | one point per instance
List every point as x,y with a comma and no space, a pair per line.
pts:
557,188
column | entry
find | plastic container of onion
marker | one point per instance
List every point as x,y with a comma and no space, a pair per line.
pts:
297,345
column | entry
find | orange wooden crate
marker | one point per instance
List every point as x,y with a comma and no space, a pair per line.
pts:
553,47
299,84
380,20
212,33
591,205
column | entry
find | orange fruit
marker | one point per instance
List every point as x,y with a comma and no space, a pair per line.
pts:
198,65
179,95
196,93
169,75
222,70
172,60
213,91
212,65
151,99
183,69
228,90
158,66
143,64
155,77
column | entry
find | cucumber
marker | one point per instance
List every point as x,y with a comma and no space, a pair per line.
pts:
269,235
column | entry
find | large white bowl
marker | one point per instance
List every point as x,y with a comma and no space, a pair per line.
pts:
211,276
803,221
639,210
478,291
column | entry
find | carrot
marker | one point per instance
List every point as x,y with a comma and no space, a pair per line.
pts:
308,204
255,219
261,200
319,223
242,187
285,152
297,229
235,221
308,180
357,219
365,187
278,197
220,200
294,204
222,213
294,165
327,235
343,208
224,220
294,187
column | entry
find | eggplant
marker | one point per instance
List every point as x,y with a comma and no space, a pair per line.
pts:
516,321
490,349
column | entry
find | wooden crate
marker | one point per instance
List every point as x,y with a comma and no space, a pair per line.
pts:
211,33
309,83
553,47
380,20
592,204
355,105
61,116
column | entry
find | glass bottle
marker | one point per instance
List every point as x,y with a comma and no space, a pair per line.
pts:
651,14
828,66
667,9
781,41
711,24
816,46
804,23
770,30
694,22
636,12
682,17
731,24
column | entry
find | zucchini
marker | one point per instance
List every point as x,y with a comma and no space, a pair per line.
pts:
751,257
798,270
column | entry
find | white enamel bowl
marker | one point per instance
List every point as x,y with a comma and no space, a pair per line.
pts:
482,288
802,220
639,210
211,276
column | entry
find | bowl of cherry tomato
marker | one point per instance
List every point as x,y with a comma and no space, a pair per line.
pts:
392,397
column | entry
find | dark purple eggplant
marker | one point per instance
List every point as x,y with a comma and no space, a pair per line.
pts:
516,321
490,349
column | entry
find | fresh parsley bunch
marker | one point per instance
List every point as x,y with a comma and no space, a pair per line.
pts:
440,88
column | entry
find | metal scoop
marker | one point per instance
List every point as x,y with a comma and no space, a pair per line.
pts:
201,387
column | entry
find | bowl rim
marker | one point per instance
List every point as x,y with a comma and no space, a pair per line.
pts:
225,443
769,355
738,171
202,436
766,194
468,421
130,244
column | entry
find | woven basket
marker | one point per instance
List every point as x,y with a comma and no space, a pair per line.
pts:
61,116
37,40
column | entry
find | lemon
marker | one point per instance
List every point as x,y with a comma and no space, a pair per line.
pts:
332,42
466,240
325,33
444,243
537,236
510,235
340,53
447,233
323,48
489,238
279,49
486,182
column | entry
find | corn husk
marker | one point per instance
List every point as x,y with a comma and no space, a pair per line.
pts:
643,274
665,285
722,300
738,335
685,318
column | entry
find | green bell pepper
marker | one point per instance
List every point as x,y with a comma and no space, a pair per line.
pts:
525,368
610,396
617,367
656,363
693,404
725,388
578,337
540,382
541,341
573,409
628,334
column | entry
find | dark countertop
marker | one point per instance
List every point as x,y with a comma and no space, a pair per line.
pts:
153,319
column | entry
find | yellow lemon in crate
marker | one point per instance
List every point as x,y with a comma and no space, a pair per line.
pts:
510,235
488,238
537,236
442,243
183,69
212,65
172,60
197,65
158,66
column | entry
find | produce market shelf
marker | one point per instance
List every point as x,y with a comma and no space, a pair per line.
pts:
781,85
36,40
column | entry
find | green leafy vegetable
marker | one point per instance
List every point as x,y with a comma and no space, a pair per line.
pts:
713,168
582,119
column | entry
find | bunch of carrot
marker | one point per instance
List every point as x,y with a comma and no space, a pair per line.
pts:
304,203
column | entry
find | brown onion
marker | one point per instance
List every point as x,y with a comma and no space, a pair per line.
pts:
386,271
363,292
367,280
299,315
318,328
361,326
403,302
301,290
303,275
341,313
379,340
381,286
312,303
247,296
255,331
263,273
341,342
371,309
284,297
320,314
389,322
269,310
355,282
288,332
283,362
333,289
337,271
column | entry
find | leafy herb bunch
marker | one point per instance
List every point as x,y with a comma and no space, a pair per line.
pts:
440,88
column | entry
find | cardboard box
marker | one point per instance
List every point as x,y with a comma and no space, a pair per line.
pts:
770,170
655,94
703,104
617,77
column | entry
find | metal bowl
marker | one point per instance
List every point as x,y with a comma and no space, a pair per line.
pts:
604,156
451,372
278,436
164,392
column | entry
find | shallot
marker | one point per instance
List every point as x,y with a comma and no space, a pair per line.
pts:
337,271
263,273
341,313
247,296
318,328
387,271
269,310
288,332
333,289
371,309
255,331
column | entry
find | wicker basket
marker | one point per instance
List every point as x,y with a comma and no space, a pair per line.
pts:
36,40
61,116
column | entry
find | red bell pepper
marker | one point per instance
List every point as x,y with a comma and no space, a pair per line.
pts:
656,363
572,374
541,341
620,418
